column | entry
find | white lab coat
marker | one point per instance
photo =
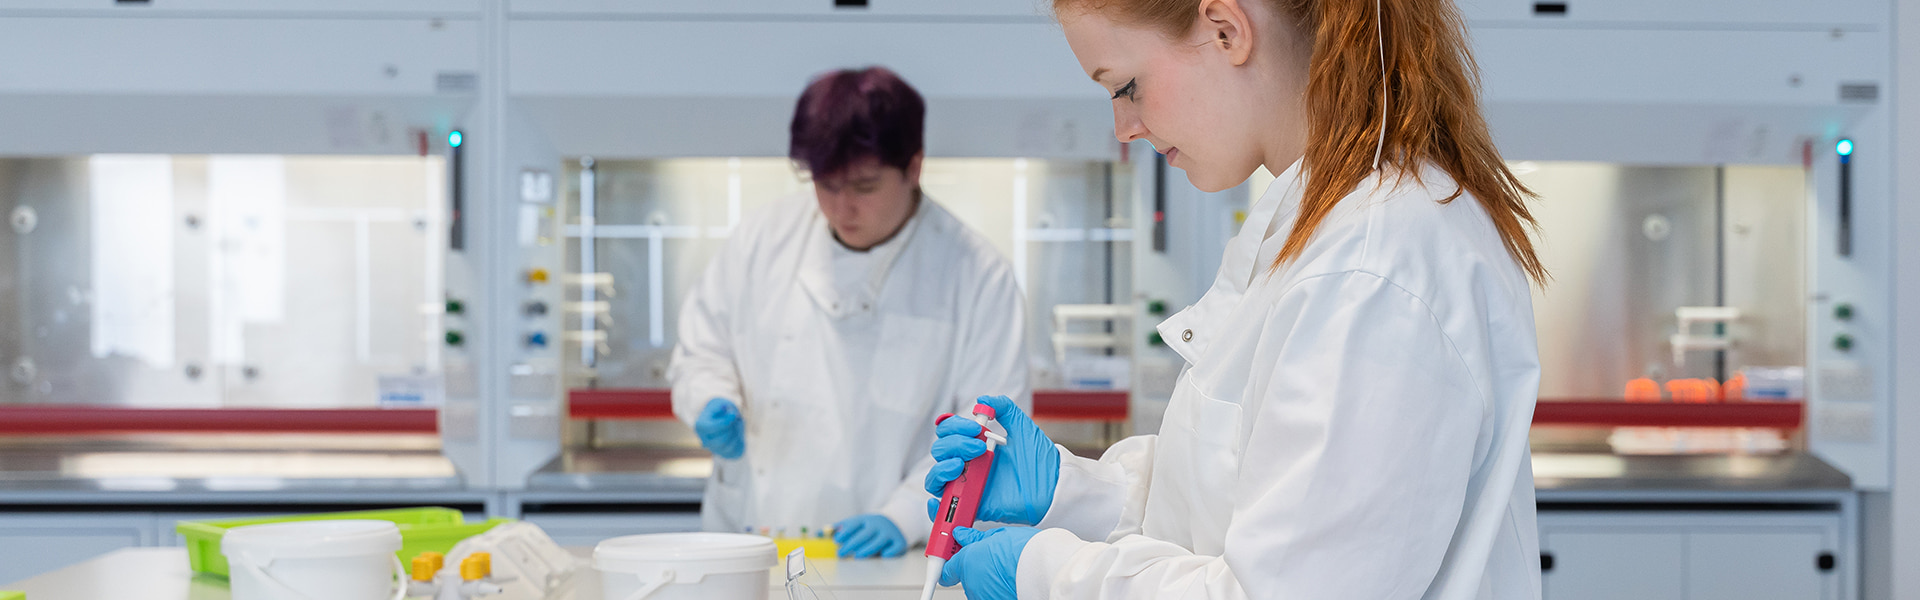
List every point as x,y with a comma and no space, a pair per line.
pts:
840,373
1353,425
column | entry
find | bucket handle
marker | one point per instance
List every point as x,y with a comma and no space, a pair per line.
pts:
665,577
399,570
399,578
270,579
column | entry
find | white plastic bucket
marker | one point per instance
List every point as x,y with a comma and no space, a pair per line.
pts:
684,566
315,560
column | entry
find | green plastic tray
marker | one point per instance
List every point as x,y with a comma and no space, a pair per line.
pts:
13,596
426,529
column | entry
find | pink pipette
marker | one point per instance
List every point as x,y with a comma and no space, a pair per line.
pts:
960,500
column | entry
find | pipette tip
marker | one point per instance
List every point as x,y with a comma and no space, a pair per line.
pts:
934,565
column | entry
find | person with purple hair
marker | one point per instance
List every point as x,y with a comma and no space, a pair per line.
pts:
837,324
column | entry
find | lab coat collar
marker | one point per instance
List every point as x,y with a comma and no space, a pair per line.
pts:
816,265
1247,255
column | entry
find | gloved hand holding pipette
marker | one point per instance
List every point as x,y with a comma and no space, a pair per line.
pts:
987,561
970,474
1025,471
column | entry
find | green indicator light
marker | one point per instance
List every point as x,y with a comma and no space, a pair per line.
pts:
453,139
1845,147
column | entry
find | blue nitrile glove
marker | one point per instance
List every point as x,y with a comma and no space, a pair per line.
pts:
868,536
720,428
988,562
1020,488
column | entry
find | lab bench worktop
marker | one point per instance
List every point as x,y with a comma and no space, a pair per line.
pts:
610,470
195,469
162,574
152,470
1718,472
630,470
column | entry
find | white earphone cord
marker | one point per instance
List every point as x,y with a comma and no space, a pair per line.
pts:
1380,35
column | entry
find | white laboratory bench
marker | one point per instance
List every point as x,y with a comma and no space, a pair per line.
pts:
162,574
1701,527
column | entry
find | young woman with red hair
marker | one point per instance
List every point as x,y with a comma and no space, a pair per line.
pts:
1353,421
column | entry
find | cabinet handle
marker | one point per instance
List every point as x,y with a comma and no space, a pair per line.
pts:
1824,561
1546,561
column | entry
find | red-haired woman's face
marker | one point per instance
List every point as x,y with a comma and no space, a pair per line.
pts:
868,202
1219,101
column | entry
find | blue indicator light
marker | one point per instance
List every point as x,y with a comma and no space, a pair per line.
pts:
453,139
1845,147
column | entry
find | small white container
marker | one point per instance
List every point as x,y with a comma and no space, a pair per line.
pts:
315,560
1775,383
685,566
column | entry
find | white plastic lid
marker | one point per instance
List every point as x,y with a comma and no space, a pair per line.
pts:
312,539
685,553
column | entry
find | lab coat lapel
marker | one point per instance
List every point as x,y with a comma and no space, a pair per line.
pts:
1280,213
891,251
1248,255
816,266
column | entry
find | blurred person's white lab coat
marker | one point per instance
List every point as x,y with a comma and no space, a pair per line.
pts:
840,361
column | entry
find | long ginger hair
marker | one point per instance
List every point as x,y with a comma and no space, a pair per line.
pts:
1432,96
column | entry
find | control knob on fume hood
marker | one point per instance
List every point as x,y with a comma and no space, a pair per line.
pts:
536,275
536,309
537,339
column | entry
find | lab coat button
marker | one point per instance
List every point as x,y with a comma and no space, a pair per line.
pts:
1186,336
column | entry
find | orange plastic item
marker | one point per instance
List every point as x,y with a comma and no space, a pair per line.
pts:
1713,389
1736,388
1692,391
1643,390
1681,390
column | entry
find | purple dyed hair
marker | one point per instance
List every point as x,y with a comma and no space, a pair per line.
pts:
854,114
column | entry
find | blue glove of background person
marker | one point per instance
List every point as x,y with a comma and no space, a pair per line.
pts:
720,429
987,562
867,536
1020,488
